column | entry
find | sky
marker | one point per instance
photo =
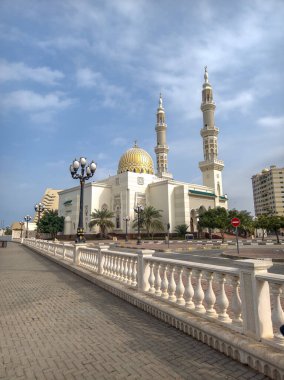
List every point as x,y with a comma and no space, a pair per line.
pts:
83,78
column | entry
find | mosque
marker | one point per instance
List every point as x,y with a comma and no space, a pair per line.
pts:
137,182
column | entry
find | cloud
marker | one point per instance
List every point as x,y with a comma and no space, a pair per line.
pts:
271,122
242,101
88,78
18,71
110,94
25,100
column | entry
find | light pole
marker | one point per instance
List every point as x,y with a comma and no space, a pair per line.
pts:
39,208
83,174
139,209
22,224
27,219
168,228
126,219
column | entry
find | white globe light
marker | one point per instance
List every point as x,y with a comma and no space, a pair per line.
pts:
88,170
76,164
93,166
83,161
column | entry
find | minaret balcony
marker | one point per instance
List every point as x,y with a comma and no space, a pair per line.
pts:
161,149
205,132
211,165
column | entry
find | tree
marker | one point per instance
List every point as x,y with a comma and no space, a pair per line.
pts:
8,231
263,223
150,219
51,223
102,218
207,220
275,222
222,221
247,224
181,229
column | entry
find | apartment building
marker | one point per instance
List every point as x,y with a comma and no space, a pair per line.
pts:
268,191
49,200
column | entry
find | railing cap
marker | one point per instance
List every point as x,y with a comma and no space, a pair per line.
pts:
252,264
145,252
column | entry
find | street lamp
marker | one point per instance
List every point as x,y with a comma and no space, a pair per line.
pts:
83,174
126,219
139,209
39,208
22,224
168,229
27,219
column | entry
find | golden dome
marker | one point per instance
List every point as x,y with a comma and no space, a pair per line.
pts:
136,160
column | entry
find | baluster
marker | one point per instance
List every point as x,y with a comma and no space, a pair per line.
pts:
277,314
115,267
189,291
118,267
111,266
130,265
222,299
152,278
172,284
199,293
158,280
210,297
108,264
180,287
122,269
126,263
165,283
236,300
134,273
105,264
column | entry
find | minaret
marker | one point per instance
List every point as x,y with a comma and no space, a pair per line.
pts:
162,148
211,167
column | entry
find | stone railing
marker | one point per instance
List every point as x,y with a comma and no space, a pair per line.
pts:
243,299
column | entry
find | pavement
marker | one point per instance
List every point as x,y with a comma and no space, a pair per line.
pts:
57,325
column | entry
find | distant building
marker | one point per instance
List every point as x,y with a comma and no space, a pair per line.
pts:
49,200
268,191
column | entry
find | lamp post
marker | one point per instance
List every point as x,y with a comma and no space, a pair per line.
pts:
139,209
126,219
80,170
22,224
168,229
39,208
27,219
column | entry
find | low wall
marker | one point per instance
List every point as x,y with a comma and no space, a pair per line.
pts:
236,310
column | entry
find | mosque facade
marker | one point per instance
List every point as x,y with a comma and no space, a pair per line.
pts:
137,182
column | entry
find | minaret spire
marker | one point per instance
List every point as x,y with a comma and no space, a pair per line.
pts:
162,148
211,167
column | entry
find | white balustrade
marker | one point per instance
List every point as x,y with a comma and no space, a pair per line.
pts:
245,298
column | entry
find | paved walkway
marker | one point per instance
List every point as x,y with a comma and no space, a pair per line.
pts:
56,325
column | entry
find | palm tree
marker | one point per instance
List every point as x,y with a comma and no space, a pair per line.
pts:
102,218
150,219
181,229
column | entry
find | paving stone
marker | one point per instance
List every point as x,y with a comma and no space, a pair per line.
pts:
56,325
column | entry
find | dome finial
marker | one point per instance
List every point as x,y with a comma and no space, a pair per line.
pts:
206,74
161,101
135,144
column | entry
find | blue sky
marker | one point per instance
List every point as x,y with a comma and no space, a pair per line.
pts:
84,77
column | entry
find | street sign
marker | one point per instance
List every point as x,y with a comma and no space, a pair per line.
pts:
235,222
